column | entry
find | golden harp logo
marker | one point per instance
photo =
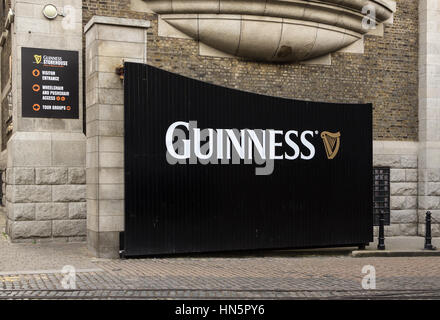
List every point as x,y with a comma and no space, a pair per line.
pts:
332,142
38,58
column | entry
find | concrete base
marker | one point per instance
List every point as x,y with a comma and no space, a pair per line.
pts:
389,253
400,247
103,244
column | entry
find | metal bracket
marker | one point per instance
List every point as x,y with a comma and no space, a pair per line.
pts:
120,71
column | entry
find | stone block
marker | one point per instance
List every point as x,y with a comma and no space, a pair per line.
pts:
111,160
435,216
92,191
30,229
92,222
21,211
109,80
78,210
108,64
92,175
411,175
433,189
28,194
111,144
32,24
435,230
92,160
111,223
23,176
397,175
392,161
403,216
52,211
392,230
433,175
111,96
77,176
69,193
51,175
111,191
69,150
403,202
115,49
111,207
92,144
25,10
406,229
111,112
69,228
118,33
30,149
404,188
409,161
111,175
111,128
429,202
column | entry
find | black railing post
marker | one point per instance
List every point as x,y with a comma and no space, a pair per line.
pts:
381,244
428,237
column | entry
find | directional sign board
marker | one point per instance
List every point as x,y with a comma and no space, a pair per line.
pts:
50,83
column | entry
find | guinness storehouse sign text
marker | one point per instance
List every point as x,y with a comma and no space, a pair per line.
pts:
208,168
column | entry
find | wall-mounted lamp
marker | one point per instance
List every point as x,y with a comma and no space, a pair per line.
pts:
50,11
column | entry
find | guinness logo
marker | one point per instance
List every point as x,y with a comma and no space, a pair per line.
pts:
332,142
38,58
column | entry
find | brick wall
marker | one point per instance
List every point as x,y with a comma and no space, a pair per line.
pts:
386,75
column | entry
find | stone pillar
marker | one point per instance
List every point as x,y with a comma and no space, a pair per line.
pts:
45,176
109,42
429,113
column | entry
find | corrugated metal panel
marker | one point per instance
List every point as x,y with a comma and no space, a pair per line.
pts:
207,208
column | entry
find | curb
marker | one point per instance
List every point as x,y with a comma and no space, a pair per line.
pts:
388,253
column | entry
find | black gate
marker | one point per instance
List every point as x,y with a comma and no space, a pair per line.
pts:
317,195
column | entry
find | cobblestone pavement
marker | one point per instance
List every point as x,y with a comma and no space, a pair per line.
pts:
267,277
33,271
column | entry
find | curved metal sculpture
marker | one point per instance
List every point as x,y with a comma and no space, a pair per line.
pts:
273,30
